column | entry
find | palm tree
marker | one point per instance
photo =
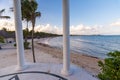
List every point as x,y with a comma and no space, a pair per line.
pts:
29,8
34,15
6,17
33,20
26,14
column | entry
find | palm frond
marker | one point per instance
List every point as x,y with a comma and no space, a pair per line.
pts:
37,14
1,11
5,17
11,9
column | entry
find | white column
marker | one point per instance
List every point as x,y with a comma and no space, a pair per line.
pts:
19,35
66,42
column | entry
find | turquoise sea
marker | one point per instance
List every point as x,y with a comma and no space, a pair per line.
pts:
97,46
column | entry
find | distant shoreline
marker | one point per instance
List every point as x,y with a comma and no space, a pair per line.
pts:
92,35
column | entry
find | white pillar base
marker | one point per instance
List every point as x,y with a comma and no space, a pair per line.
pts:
66,72
21,68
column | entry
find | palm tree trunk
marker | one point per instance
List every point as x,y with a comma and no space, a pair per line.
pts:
34,60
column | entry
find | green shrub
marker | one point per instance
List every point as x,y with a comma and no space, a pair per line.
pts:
1,39
15,44
26,45
110,68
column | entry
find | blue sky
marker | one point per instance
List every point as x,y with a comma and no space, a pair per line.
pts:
86,16
87,12
92,12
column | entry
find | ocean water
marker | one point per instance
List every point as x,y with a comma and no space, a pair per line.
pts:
97,46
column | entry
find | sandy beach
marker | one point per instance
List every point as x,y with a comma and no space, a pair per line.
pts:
46,54
8,56
89,63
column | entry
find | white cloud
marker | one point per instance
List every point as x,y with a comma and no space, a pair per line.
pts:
48,28
117,23
80,29
76,30
7,24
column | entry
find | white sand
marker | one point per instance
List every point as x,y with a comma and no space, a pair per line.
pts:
8,58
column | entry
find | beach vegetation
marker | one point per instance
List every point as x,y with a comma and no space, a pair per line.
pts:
110,67
26,45
1,39
6,33
43,35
